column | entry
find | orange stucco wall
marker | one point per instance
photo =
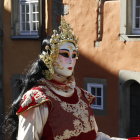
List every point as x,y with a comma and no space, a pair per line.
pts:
106,60
102,62
17,54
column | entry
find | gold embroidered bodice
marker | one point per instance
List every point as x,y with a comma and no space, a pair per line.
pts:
70,119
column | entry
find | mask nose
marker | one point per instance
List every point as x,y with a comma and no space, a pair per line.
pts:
70,61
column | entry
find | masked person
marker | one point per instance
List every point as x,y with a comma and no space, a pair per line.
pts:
51,106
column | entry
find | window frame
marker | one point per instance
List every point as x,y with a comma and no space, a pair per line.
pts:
95,105
16,18
135,30
30,13
127,22
97,82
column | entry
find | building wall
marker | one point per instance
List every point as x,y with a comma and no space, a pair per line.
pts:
106,60
17,54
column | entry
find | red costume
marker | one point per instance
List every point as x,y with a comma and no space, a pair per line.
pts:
56,109
69,118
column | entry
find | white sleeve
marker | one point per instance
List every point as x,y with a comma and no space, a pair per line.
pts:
31,123
102,136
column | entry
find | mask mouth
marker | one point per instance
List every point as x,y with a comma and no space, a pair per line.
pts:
70,68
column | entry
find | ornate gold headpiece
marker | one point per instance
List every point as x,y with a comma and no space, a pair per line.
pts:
64,34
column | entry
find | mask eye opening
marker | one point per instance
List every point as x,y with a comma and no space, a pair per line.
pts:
64,54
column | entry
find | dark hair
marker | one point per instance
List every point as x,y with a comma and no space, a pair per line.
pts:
10,124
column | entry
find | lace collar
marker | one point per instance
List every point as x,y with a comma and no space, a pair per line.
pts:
65,89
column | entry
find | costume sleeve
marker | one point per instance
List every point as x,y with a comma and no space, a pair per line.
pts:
31,123
33,98
102,136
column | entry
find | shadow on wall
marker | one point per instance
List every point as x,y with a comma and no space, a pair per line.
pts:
130,102
11,53
1,69
109,122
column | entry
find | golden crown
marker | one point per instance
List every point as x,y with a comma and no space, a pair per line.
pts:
64,34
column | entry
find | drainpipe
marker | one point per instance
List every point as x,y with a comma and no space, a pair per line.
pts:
99,26
100,17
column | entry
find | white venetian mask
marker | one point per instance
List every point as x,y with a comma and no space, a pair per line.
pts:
66,60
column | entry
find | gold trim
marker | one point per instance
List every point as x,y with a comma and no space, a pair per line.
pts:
82,123
34,106
31,93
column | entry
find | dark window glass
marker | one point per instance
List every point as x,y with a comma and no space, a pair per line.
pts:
98,91
98,101
23,8
34,17
23,18
27,8
137,23
93,90
34,26
137,2
23,26
27,26
137,12
27,17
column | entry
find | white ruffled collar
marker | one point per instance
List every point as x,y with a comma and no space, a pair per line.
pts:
65,89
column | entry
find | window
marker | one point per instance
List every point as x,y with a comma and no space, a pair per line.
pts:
130,20
29,17
97,87
136,17
97,91
25,19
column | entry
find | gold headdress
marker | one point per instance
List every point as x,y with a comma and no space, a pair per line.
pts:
64,34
